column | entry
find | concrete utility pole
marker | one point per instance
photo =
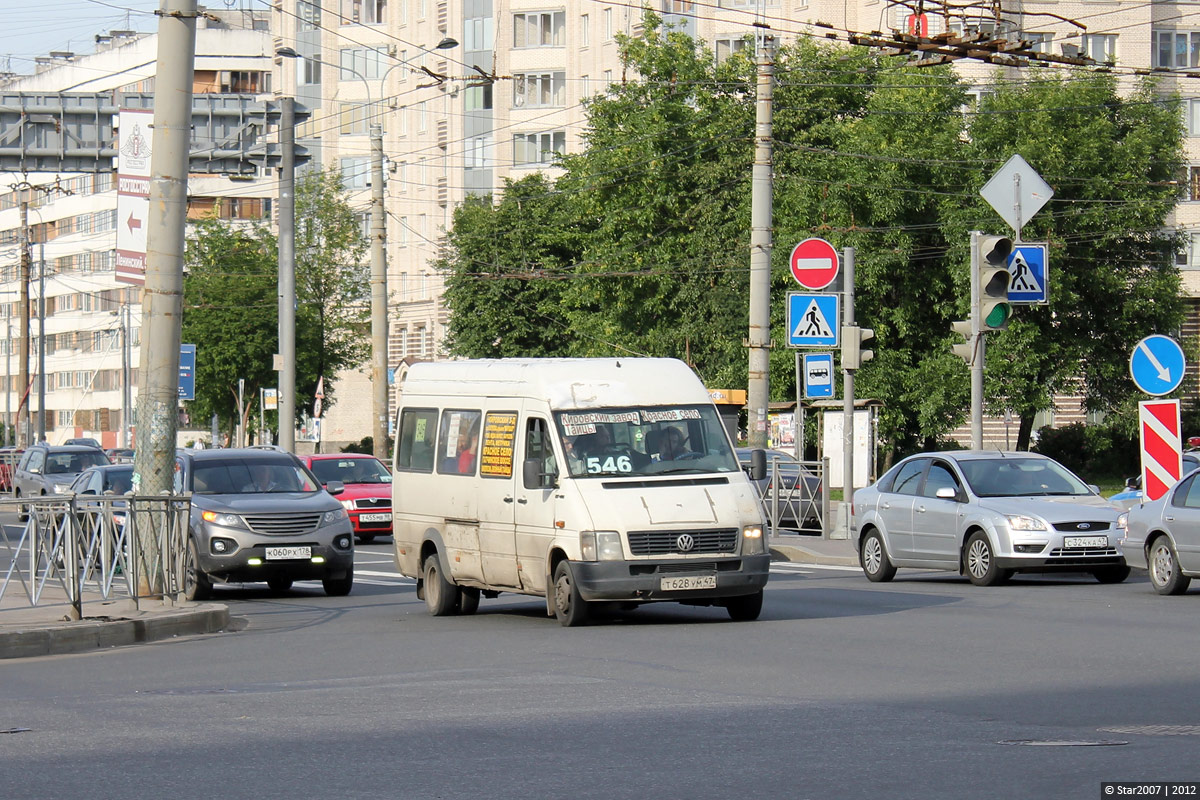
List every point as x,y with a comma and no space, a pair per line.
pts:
23,425
287,274
162,300
759,340
379,331
41,417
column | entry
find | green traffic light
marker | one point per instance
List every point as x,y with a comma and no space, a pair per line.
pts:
998,315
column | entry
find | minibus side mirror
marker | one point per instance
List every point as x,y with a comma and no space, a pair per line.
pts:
335,487
758,465
534,477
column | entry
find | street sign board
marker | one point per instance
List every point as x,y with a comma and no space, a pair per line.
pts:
813,319
1162,446
814,263
1017,192
1157,365
1028,266
133,195
187,372
818,375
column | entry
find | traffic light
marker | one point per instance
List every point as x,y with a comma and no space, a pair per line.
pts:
966,349
853,338
992,262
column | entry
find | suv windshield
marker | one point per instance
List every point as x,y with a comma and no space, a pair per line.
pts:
250,476
1020,477
656,440
350,470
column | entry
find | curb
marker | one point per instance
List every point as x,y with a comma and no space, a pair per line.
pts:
92,633
802,555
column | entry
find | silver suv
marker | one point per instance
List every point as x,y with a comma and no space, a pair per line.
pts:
259,515
51,469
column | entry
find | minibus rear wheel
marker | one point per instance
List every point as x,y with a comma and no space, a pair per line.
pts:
441,596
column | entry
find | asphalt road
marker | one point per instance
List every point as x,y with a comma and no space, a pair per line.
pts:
922,688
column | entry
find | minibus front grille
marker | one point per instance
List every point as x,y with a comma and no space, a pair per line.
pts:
657,543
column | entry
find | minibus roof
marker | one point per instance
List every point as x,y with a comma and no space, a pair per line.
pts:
565,382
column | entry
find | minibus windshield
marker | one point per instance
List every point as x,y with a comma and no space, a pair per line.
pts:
652,440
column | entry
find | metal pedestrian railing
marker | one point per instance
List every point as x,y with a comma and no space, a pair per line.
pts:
795,496
112,545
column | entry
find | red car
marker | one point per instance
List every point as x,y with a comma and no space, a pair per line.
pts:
9,456
368,495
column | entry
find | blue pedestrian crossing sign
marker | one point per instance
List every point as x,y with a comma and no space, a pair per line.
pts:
1157,365
818,375
1027,265
813,320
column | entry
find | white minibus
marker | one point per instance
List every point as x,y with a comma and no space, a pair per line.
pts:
584,481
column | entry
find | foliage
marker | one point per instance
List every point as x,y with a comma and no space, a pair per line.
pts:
641,244
1097,453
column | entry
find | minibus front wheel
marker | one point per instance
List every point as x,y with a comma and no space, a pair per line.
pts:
570,608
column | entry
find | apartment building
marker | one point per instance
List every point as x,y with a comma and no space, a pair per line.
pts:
89,313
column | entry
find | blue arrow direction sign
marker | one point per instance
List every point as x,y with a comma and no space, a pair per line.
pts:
187,372
1157,365
818,375
813,319
1027,265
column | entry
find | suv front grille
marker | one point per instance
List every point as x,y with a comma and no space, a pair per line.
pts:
283,524
655,543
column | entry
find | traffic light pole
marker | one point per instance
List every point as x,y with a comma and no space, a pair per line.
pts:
978,342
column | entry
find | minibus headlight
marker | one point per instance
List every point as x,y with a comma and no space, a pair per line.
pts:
753,540
587,545
608,546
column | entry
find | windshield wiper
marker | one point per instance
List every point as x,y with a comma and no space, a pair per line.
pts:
679,469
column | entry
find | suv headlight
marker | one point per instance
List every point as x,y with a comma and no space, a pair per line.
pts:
331,517
1020,522
753,540
224,520
600,546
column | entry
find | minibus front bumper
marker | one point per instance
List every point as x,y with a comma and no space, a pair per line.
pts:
645,581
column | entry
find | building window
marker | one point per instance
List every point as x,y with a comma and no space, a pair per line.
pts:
1175,50
1099,46
354,173
538,148
308,15
728,45
477,153
1191,115
1190,257
585,30
608,24
1038,42
361,61
308,71
478,98
352,119
478,34
678,6
539,29
607,79
364,12
422,118
546,89
237,82
66,419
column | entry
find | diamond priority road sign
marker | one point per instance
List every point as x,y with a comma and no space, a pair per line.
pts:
1016,192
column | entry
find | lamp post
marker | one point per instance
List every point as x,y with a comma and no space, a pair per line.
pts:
379,292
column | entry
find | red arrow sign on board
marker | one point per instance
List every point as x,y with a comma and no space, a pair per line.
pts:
1162,447
133,223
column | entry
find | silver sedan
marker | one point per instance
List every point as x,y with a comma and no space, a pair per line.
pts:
986,515
1163,537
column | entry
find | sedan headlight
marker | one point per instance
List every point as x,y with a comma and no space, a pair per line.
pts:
224,520
753,540
1123,522
600,546
348,505
60,488
337,515
1020,522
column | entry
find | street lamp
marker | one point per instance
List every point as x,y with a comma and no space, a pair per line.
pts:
379,292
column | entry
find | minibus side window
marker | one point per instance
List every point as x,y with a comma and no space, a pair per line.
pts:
458,442
415,444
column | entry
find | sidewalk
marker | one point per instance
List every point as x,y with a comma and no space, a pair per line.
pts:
47,628
813,550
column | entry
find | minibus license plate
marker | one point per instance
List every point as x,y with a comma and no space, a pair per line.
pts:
283,553
684,582
374,517
1085,541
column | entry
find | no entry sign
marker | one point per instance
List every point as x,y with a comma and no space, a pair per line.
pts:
1162,448
814,263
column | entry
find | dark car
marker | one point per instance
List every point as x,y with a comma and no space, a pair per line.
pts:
798,499
85,441
260,515
368,495
120,455
51,469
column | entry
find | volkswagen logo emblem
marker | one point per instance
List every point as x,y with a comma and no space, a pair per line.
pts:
685,542
1083,526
